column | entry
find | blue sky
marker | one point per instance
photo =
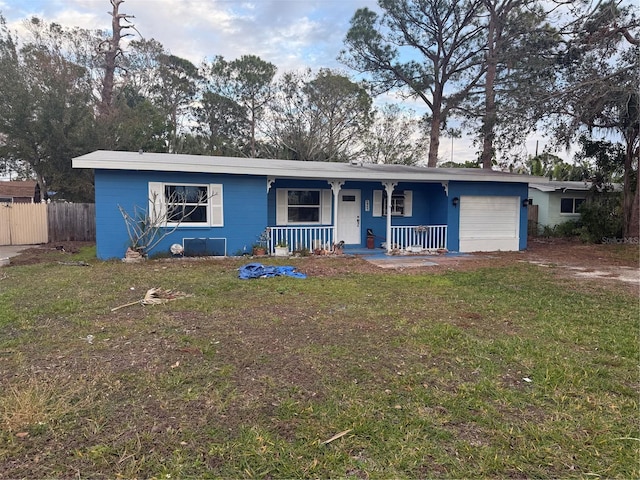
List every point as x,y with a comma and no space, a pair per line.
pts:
291,34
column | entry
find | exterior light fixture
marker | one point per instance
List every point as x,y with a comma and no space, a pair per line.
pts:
455,201
525,202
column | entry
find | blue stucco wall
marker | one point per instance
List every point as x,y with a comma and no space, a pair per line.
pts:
429,204
244,209
248,208
429,207
457,189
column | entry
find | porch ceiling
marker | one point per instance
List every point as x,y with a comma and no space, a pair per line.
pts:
112,160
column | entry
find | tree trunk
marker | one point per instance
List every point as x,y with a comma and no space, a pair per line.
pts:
632,228
44,194
630,199
490,114
111,57
110,60
253,128
434,141
434,133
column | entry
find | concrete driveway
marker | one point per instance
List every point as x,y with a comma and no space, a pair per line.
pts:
7,251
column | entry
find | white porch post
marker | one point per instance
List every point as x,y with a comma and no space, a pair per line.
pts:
336,185
388,187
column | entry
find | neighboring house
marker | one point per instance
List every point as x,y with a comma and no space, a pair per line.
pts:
26,191
558,201
308,205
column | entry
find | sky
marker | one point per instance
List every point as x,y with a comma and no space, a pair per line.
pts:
291,34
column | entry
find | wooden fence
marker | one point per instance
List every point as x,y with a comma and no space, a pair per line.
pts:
71,222
34,223
532,220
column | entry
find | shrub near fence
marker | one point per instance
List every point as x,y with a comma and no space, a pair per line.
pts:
34,223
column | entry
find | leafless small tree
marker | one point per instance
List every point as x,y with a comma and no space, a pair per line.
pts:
147,227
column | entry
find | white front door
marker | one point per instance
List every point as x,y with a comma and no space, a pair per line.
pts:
349,217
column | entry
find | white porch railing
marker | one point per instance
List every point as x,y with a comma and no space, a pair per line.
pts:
419,237
424,237
300,238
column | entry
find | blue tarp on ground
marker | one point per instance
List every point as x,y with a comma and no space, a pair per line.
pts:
257,270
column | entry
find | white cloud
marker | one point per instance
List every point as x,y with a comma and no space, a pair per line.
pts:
291,34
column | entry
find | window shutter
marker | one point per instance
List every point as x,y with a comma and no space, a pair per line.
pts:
408,203
281,206
325,206
377,203
157,206
215,201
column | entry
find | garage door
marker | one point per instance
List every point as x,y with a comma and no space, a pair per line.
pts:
489,224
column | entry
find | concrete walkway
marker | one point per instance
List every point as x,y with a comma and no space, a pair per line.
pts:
380,258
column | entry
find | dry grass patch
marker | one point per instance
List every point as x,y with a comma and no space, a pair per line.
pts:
498,370
37,404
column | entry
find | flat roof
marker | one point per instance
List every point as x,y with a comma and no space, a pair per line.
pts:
564,185
170,162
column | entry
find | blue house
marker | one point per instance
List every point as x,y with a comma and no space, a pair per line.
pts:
307,205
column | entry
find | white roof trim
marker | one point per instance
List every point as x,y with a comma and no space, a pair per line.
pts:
166,162
542,188
561,185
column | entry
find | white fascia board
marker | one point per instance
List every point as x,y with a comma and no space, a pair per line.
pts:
115,160
542,188
561,186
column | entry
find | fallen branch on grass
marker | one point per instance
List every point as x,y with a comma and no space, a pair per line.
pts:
335,437
155,296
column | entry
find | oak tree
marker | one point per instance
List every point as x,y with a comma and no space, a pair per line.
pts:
319,118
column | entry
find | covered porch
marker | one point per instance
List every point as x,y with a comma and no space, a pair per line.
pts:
410,238
316,215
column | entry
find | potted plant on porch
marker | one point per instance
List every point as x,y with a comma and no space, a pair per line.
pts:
260,248
282,249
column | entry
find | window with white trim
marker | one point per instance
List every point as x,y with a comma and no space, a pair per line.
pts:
401,203
570,205
186,204
397,203
297,206
303,206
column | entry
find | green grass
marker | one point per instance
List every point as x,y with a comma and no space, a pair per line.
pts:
497,372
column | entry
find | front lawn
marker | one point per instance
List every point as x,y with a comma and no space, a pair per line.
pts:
505,371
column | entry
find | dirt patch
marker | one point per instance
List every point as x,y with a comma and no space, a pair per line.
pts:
50,252
600,262
571,257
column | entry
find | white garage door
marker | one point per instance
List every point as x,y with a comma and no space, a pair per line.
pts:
489,224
